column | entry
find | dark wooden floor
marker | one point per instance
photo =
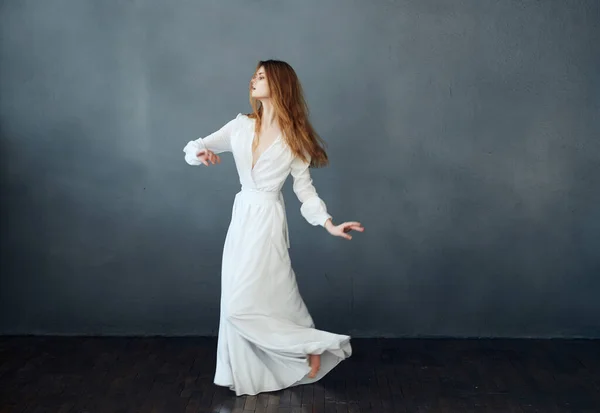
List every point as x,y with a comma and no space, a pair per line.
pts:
175,375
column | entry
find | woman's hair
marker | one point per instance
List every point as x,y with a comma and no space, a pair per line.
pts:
291,112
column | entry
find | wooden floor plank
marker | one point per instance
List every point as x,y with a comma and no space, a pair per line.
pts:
73,374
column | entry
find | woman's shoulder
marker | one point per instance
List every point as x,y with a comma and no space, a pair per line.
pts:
240,121
244,117
240,124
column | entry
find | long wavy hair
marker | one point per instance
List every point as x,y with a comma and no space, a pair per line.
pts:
291,112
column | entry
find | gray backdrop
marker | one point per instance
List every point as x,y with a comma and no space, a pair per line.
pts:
464,135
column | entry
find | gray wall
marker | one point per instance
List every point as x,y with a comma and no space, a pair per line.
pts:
464,135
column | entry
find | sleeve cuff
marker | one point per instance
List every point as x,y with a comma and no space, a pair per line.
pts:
191,149
315,211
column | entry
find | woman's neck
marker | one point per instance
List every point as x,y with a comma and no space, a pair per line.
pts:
268,115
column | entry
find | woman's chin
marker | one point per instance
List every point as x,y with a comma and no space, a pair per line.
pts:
258,96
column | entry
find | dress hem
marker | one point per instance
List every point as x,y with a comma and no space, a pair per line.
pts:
334,349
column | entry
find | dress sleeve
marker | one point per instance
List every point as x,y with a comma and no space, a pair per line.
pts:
313,208
218,142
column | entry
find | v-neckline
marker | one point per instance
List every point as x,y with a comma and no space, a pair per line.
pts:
252,162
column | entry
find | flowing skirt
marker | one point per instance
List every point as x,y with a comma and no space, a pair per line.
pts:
265,329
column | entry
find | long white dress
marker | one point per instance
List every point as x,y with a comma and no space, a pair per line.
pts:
265,329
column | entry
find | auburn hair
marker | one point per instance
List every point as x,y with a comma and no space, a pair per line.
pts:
291,113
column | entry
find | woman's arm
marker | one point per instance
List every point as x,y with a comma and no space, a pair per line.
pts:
216,142
313,208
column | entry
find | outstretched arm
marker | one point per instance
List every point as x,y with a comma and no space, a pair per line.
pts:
204,149
313,208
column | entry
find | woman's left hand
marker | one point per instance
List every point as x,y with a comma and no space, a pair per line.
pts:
342,230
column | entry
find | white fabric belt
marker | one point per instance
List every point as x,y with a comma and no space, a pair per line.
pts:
253,195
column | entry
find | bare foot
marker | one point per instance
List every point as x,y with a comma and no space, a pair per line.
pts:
314,361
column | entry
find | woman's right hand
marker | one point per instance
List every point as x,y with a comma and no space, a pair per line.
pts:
205,156
341,230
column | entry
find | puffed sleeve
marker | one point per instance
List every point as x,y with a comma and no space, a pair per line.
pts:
218,142
313,208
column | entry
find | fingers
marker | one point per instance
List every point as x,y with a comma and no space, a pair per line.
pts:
200,155
352,223
342,234
206,156
347,227
352,226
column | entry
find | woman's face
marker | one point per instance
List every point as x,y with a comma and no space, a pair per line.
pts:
259,87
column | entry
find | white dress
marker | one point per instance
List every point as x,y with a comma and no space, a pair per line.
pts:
265,329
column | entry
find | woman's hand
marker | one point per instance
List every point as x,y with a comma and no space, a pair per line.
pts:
205,156
343,229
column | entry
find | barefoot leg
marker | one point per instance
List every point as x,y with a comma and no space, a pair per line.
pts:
314,361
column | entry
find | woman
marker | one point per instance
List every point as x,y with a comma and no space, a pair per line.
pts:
267,340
